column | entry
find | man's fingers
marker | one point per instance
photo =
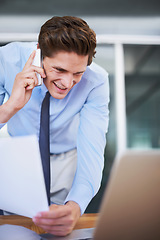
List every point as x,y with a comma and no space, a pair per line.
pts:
52,221
27,79
30,60
60,219
32,68
29,83
39,70
59,230
56,211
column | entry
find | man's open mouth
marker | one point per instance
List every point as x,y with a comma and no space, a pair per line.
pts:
59,86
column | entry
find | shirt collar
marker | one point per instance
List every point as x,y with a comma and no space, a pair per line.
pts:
43,89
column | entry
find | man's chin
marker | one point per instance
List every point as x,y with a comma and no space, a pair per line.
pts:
58,95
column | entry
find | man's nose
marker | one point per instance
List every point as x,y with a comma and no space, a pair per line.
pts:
67,80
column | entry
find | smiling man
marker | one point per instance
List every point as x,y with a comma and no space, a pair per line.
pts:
78,112
63,71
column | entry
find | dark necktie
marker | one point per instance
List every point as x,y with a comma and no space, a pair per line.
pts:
44,142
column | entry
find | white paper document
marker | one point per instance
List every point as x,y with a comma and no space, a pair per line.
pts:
22,186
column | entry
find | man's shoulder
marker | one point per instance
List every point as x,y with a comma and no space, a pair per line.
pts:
97,68
18,45
12,52
96,73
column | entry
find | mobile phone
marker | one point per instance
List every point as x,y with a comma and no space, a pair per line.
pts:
38,62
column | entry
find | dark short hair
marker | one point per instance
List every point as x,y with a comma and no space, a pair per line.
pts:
71,34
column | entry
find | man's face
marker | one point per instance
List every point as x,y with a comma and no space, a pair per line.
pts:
63,71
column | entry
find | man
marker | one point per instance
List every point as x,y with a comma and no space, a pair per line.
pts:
78,112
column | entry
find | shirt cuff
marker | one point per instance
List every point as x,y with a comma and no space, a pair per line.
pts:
82,195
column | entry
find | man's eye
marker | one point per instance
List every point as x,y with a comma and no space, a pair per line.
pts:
59,70
78,74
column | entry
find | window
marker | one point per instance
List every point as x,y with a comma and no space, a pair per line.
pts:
142,81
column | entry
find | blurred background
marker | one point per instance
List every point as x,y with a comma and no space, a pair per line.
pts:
128,35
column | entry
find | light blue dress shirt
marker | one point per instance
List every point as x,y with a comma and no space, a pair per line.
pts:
80,120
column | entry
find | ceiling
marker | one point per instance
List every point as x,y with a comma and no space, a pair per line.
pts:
82,7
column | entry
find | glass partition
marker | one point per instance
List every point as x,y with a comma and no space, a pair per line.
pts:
142,82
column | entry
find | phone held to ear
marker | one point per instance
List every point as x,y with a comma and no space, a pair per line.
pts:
38,62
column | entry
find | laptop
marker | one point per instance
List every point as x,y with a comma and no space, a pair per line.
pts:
131,205
130,208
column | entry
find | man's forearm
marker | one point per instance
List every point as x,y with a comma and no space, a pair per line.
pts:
7,111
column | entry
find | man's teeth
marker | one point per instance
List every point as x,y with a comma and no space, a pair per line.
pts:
63,88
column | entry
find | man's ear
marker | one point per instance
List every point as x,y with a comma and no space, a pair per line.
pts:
38,45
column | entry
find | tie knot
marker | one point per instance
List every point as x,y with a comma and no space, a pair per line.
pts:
45,101
47,94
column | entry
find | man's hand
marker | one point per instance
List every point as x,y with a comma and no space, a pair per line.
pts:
60,219
23,85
